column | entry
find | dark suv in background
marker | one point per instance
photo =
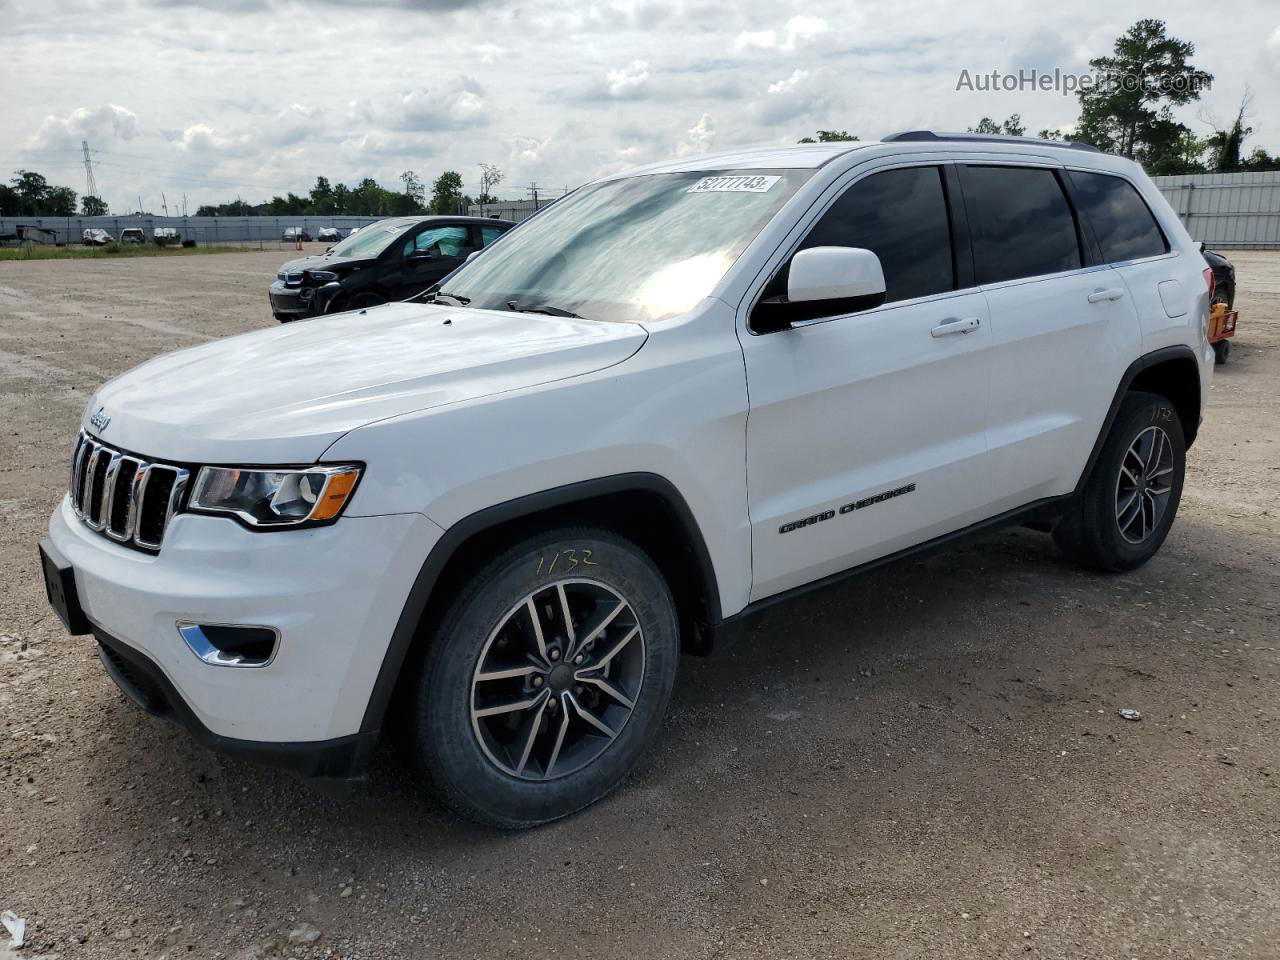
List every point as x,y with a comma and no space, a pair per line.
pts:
388,260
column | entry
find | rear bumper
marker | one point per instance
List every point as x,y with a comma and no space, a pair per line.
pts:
339,761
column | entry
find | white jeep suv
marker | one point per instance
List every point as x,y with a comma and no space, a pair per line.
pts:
500,513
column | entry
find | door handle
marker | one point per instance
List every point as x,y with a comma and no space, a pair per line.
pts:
955,325
1111,293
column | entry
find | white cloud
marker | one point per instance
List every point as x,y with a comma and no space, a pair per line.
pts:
798,32
83,123
756,40
790,83
488,53
802,30
628,81
699,137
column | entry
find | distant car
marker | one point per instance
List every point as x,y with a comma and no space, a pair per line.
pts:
96,237
291,235
388,260
329,235
166,235
1224,276
132,235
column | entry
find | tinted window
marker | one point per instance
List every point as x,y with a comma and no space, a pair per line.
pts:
490,234
901,216
1119,217
1020,221
441,241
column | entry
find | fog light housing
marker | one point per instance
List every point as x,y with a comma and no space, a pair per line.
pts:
231,645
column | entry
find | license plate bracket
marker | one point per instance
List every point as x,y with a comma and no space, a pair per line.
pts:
60,588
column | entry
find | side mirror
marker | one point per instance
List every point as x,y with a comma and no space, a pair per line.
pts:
836,273
472,255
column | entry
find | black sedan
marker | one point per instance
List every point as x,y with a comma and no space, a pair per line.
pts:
388,260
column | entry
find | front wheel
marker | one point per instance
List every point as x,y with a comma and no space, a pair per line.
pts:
547,679
360,301
1129,501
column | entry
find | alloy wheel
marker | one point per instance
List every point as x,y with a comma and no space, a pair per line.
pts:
557,679
1144,484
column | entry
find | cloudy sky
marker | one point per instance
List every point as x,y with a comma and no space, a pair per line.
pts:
218,98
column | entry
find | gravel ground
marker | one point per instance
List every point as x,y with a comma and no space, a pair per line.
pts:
927,761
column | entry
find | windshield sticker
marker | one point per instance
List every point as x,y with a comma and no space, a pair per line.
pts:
734,185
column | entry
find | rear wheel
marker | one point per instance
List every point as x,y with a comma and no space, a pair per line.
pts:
1129,501
547,679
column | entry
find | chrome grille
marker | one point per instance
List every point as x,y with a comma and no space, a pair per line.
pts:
126,498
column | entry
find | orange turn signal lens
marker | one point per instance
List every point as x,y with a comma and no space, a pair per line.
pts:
335,494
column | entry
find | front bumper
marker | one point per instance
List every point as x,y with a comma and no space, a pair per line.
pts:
338,761
297,301
334,594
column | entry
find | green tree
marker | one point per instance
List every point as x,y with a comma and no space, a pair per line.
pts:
93,206
366,198
1147,71
341,198
1010,128
60,202
830,136
322,196
446,192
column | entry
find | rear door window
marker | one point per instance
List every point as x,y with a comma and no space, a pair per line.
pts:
1020,221
1120,219
490,234
901,216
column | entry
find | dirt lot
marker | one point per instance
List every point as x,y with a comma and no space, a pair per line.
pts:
925,762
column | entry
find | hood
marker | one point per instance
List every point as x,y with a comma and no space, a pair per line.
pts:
325,261
283,395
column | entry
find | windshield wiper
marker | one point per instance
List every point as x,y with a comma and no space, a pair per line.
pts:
549,310
448,299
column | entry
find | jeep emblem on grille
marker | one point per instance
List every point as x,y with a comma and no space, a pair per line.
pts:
100,421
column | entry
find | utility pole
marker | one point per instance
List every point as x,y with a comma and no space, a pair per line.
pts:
90,185
533,191
164,204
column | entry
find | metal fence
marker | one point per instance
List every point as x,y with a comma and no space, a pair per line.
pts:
515,210
205,231
1227,210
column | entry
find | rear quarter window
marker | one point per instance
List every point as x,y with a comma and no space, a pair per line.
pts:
1120,219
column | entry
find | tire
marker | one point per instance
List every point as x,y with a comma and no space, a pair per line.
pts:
285,317
489,763
360,301
1221,351
1101,529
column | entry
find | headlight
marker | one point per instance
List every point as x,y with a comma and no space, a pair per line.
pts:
322,276
275,498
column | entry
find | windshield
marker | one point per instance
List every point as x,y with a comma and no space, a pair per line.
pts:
636,249
371,240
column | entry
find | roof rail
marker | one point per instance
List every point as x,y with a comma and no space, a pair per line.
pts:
928,135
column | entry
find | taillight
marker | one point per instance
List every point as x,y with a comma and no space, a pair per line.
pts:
1209,281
